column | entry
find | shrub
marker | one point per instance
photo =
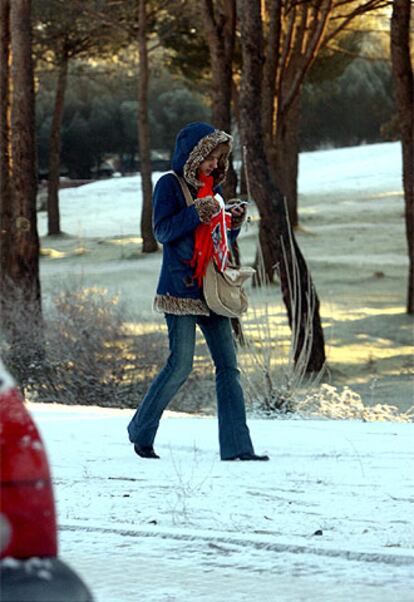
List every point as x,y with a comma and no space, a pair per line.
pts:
93,355
329,402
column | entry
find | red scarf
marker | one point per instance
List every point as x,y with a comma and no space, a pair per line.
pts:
210,239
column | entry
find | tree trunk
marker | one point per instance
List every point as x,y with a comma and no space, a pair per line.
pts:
149,244
270,70
53,214
285,164
5,197
222,78
21,316
277,240
24,266
281,131
404,95
295,32
220,30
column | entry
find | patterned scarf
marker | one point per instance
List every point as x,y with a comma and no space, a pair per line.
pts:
210,239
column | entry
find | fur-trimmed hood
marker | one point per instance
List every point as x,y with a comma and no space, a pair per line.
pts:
193,145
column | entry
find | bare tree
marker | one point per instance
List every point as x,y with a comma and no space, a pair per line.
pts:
295,31
277,240
404,95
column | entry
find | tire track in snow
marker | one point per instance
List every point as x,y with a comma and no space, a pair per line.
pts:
395,559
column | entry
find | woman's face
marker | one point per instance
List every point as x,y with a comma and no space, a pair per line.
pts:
210,163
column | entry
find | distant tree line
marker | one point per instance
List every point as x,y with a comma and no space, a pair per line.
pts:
100,114
357,107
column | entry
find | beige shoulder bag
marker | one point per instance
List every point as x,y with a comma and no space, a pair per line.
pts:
223,291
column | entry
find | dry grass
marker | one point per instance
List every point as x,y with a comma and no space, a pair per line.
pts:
277,385
91,354
275,381
88,351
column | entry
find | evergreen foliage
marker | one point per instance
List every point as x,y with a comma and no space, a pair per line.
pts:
100,117
352,109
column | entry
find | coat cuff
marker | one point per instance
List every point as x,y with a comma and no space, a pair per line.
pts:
206,207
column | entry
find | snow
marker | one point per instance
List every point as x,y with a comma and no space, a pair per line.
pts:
104,208
40,566
113,207
374,167
330,517
6,381
189,526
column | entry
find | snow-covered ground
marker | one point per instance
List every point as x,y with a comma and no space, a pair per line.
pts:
373,168
329,518
351,211
113,207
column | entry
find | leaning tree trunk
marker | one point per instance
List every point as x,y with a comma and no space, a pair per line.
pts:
149,244
5,197
404,95
220,28
53,214
277,240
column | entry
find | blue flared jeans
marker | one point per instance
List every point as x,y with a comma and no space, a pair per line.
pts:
234,437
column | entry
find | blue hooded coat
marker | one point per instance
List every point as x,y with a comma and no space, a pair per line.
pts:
175,223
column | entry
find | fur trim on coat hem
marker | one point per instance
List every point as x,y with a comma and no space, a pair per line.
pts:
180,306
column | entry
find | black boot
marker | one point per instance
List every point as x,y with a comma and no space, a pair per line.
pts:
145,452
249,456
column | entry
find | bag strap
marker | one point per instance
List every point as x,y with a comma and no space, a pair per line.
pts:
186,191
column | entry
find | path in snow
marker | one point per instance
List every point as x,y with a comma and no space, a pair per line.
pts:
122,566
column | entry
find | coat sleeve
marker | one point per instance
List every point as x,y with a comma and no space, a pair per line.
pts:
172,219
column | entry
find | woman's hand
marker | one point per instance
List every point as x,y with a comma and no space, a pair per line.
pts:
238,210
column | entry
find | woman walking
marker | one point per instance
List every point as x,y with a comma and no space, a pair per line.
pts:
185,231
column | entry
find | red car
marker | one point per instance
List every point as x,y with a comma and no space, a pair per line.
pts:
30,570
